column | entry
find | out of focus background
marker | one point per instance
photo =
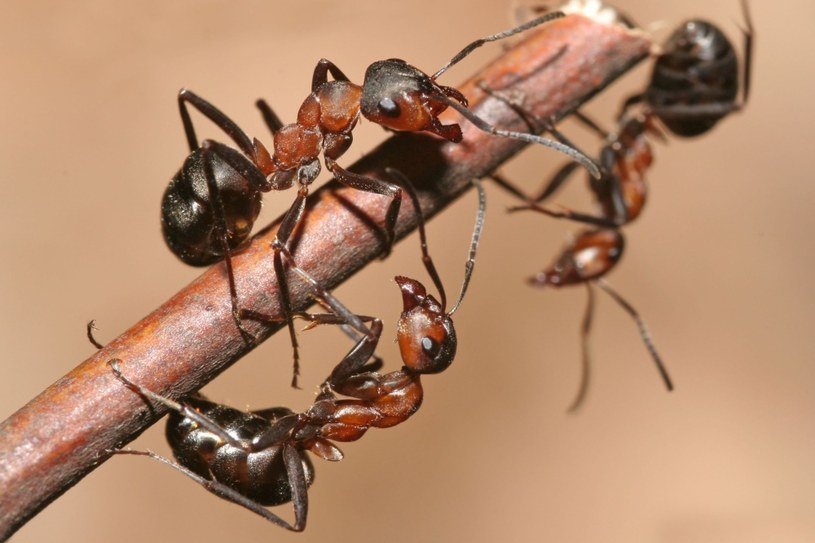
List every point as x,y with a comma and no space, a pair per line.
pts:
718,265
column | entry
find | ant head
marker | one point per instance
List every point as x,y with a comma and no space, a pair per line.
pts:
590,256
399,96
427,339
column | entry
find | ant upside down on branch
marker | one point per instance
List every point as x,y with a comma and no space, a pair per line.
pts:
211,204
259,459
74,424
695,83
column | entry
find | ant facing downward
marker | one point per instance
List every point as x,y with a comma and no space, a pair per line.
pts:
259,459
211,204
695,84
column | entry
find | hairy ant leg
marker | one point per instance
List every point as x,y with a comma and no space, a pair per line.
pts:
210,205
89,328
619,191
216,446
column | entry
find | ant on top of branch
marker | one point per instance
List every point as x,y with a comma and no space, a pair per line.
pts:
211,204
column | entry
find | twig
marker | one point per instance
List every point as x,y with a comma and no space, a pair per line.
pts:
65,432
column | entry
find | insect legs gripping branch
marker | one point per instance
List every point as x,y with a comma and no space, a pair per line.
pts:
258,459
211,204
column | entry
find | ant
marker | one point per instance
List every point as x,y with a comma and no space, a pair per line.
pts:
694,84
259,459
621,193
589,257
695,81
211,204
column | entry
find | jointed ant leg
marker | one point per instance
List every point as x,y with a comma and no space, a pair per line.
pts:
646,336
585,371
271,119
375,186
180,408
91,326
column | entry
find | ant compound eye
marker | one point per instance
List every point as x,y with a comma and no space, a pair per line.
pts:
430,347
390,108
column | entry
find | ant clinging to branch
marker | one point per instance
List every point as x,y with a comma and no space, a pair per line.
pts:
211,204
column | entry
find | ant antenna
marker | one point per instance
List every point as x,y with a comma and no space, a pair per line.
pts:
90,327
495,37
407,184
479,226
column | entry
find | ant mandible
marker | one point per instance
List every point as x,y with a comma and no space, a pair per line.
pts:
259,459
211,204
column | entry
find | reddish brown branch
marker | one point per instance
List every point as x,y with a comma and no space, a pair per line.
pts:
61,435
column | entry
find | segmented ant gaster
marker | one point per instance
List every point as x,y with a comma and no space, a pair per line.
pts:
695,81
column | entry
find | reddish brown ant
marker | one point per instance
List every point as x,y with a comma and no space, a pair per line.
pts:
259,459
212,202
591,255
620,193
695,83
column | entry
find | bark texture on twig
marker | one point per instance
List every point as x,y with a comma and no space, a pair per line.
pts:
66,431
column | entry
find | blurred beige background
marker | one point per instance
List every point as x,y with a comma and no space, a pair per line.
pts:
718,265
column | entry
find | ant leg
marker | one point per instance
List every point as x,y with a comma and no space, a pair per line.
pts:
279,245
566,214
585,372
408,186
629,103
282,255
183,409
250,172
748,52
376,362
298,484
554,184
590,123
354,362
328,300
91,326
495,37
216,116
269,116
324,66
369,184
229,494
646,336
